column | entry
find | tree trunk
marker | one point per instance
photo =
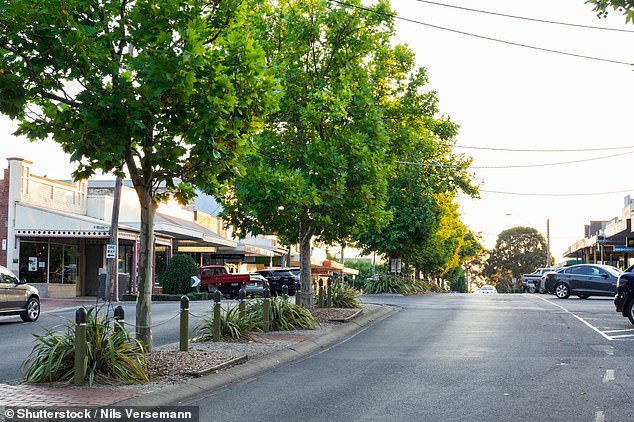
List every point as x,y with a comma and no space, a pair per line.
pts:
145,280
305,235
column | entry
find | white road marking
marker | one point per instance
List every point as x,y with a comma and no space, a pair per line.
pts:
609,375
599,416
607,337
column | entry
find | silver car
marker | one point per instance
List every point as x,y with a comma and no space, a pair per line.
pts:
17,297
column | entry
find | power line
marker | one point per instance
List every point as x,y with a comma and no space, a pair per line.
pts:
555,194
542,150
514,166
581,56
526,18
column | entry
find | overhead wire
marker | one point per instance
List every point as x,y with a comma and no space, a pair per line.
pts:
548,50
543,150
576,25
557,194
515,165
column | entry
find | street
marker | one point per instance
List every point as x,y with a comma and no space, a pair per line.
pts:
438,357
18,340
454,357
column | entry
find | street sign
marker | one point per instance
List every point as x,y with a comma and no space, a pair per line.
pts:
111,251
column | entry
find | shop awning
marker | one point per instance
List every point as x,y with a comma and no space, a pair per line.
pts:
36,221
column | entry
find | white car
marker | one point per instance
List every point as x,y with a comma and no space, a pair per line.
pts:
487,290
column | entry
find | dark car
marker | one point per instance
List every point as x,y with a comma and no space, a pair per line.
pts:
17,297
624,298
583,280
278,278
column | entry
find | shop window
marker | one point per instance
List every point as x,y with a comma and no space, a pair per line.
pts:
63,264
34,261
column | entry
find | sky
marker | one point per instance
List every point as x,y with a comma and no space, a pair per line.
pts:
527,117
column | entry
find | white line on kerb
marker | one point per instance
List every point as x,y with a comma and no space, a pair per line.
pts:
609,375
599,416
607,337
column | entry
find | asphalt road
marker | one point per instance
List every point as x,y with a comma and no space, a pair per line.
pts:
18,341
454,357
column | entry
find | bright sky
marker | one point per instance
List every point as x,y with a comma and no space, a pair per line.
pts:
506,96
510,97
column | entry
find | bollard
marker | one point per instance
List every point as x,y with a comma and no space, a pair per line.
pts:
320,297
266,310
329,293
119,318
80,346
184,329
217,299
298,293
242,304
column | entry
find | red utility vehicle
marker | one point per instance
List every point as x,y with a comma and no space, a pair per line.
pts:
216,277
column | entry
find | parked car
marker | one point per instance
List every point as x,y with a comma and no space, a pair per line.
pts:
256,286
530,282
278,278
17,297
487,290
583,280
624,298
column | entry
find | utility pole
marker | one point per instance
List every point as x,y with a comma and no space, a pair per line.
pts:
113,293
548,243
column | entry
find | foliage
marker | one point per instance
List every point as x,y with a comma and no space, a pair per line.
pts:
517,251
344,296
418,192
177,275
285,316
457,280
232,326
622,6
111,354
320,165
388,283
169,91
365,271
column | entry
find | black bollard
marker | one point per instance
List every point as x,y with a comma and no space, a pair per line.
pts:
80,346
184,328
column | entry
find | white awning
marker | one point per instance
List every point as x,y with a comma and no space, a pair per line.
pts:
35,221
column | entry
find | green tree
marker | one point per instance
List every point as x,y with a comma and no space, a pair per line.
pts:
169,91
626,7
517,251
320,168
421,142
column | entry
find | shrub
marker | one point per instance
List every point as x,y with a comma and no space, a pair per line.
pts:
343,296
232,326
176,277
285,316
111,355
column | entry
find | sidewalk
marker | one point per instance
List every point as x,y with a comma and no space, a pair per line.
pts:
161,395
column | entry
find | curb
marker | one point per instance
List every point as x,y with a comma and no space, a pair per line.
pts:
176,394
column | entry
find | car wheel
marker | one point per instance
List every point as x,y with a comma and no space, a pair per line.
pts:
584,296
32,312
630,311
531,290
562,291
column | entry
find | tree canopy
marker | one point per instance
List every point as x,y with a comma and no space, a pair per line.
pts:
517,251
319,170
626,7
168,91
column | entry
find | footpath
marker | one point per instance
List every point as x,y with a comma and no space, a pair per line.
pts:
63,395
